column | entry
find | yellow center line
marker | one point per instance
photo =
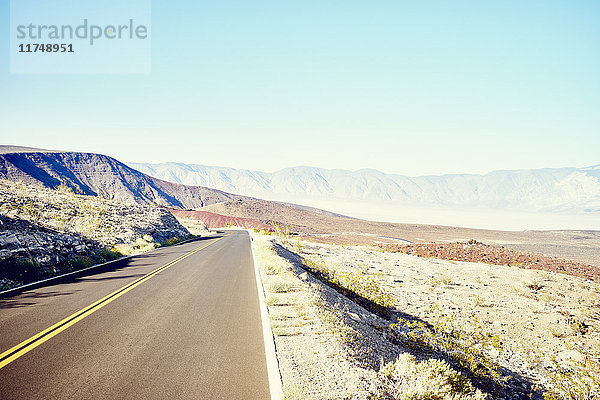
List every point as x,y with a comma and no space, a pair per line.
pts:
22,348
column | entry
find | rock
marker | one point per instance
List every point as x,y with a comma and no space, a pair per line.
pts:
354,316
51,226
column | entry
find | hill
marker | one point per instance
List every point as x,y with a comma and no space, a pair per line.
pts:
100,175
212,220
45,232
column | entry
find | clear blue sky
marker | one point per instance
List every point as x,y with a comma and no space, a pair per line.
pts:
410,87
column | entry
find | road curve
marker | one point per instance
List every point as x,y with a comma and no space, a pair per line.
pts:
191,331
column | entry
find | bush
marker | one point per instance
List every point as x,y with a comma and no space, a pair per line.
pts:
578,380
272,300
465,348
141,245
271,269
407,379
18,271
21,270
6,284
106,255
76,263
355,284
174,240
279,286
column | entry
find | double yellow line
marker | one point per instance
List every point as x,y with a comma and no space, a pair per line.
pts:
22,348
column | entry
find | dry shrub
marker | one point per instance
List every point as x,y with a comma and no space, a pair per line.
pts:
407,379
355,280
140,245
465,347
576,380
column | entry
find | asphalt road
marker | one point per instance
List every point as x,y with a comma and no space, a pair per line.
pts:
193,330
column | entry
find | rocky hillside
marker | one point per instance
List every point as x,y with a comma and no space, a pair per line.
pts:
547,190
44,231
100,175
107,222
22,240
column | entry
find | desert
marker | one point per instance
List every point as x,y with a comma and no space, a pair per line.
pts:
356,309
310,200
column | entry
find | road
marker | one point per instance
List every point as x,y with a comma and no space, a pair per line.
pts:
192,330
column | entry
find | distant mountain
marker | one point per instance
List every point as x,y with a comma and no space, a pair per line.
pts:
100,175
548,189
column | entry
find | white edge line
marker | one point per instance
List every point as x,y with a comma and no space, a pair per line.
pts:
275,383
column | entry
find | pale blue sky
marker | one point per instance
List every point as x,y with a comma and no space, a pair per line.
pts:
410,87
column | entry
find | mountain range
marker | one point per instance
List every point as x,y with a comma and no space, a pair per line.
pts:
192,186
564,190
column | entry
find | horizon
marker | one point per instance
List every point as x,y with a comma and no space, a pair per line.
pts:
358,170
128,162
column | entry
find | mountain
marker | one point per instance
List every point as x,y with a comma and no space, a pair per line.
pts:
22,149
547,190
100,175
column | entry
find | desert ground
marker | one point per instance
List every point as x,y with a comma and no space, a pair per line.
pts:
533,331
325,227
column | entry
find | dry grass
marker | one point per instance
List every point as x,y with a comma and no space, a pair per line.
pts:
279,286
194,226
576,380
141,245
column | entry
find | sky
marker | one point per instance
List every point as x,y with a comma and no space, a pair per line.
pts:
407,87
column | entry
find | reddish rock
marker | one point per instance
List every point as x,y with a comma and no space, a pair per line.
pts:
474,251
